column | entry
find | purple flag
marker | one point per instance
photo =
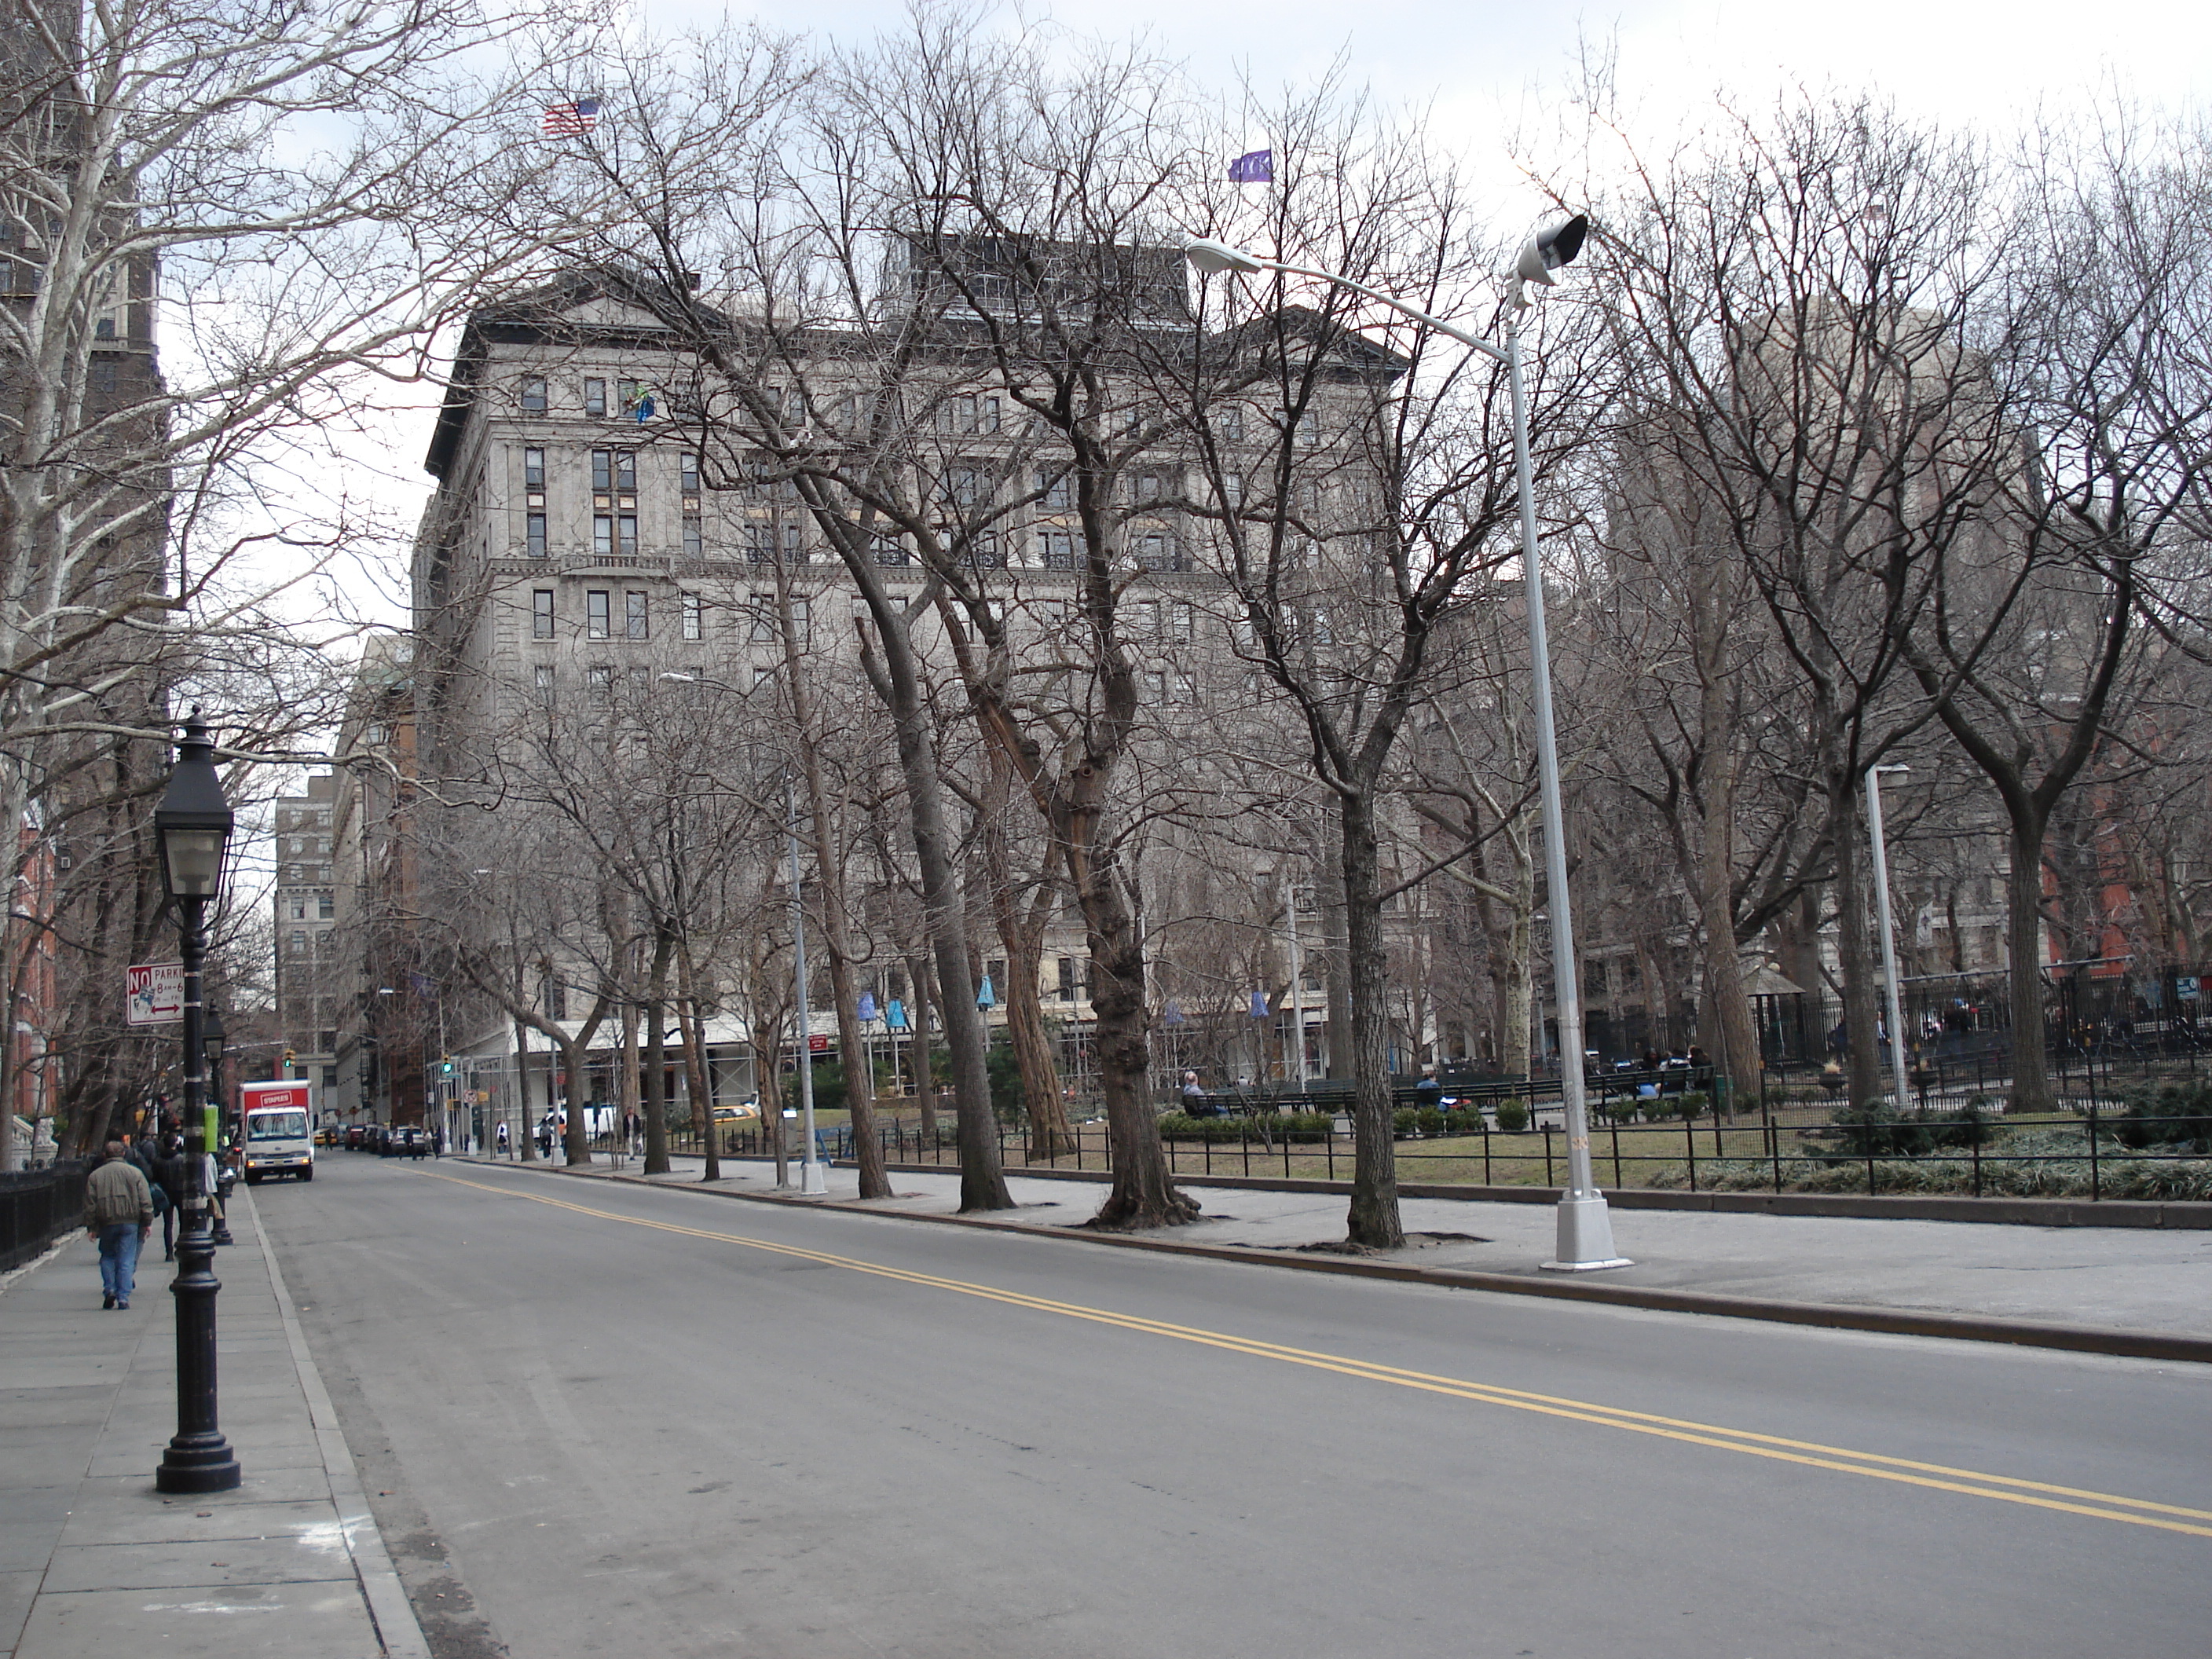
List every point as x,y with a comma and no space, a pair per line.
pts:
1255,166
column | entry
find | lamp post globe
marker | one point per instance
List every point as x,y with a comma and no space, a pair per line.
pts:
193,824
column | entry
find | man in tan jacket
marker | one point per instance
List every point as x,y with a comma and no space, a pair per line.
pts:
118,1212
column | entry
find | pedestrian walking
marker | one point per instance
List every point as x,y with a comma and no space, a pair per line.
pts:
169,1184
438,1141
503,1137
118,1212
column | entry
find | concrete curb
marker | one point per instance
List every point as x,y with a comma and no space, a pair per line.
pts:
389,1609
1989,1212
1965,1327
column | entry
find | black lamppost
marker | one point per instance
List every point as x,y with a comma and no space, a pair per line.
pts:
193,823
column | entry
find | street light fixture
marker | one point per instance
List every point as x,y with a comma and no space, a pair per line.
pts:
1897,1070
1585,1227
193,824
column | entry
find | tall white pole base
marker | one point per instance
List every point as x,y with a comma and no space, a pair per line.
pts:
1585,1240
813,1182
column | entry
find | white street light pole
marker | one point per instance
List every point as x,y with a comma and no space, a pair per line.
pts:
1585,1227
1888,928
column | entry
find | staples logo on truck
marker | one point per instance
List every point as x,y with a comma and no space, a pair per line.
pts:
277,1141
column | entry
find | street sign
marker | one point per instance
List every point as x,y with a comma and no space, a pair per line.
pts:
154,992
2188,987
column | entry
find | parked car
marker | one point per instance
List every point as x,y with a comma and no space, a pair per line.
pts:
356,1136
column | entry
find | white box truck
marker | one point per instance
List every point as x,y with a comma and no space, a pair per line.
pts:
278,1140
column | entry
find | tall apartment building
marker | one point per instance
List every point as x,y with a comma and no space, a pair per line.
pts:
583,548
313,978
386,1009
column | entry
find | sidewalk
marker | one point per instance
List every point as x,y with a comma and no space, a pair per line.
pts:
94,1562
2123,1281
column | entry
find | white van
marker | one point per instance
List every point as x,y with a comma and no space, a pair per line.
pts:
277,1140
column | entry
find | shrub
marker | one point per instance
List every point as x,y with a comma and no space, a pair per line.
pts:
2177,1115
1408,1121
1883,1132
1296,1126
1512,1116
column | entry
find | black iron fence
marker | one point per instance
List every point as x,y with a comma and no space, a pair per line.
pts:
1957,1146
37,1207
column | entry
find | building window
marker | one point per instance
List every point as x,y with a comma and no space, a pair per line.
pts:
694,621
614,535
887,551
763,613
687,472
299,941
799,622
599,614
633,615
614,469
595,396
795,551
533,394
1228,423
533,534
1180,621
541,614
1057,550
534,469
601,679
544,684
1067,979
1155,550
327,907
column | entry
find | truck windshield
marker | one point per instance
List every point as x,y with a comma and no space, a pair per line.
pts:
276,1126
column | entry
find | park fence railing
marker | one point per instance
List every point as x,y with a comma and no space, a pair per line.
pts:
37,1207
1956,1146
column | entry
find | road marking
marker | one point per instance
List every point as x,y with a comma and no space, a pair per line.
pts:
1875,1466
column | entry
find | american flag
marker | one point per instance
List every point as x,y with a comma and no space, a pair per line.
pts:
572,120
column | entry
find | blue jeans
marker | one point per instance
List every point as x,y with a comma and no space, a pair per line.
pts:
118,1259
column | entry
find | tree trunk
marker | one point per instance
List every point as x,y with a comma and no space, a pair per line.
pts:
698,1082
578,1144
1143,1193
2031,1068
924,1063
1374,1221
1023,935
1727,1022
656,1058
522,1089
982,1182
1854,945
1336,1034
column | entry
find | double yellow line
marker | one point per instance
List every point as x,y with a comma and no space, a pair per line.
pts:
1937,1477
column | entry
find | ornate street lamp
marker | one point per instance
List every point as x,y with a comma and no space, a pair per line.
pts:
193,823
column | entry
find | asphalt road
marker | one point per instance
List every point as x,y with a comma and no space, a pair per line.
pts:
598,1419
